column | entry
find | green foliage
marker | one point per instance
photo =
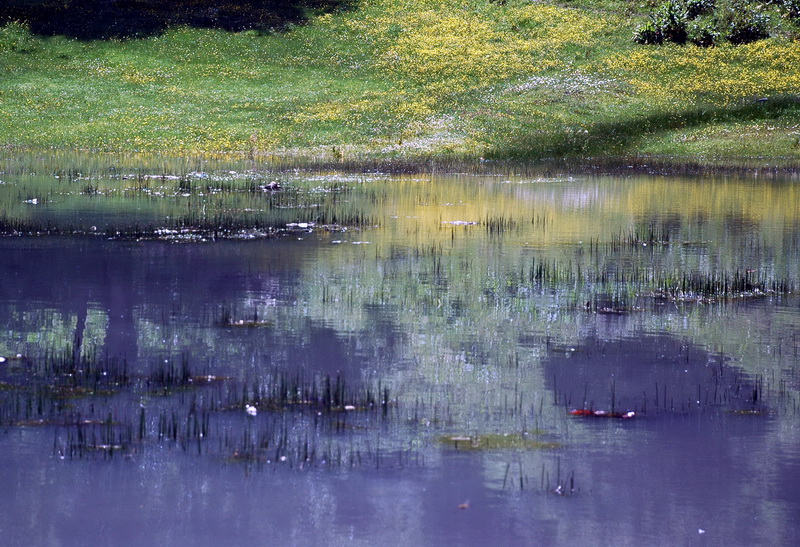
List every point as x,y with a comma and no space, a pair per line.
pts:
703,31
671,18
649,33
696,8
705,22
15,37
744,23
789,8
666,24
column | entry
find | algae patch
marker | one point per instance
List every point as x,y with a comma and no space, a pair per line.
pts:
497,441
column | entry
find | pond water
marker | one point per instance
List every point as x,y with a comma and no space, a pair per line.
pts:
201,353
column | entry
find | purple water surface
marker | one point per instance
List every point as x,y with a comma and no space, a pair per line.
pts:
709,458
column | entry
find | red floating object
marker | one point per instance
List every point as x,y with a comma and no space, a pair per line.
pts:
581,412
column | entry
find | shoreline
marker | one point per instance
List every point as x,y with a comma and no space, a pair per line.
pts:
277,161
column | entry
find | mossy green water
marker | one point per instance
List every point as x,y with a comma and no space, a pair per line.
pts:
408,79
496,441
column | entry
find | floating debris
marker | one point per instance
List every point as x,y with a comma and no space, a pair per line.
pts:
271,186
226,320
207,379
301,225
587,413
247,324
749,412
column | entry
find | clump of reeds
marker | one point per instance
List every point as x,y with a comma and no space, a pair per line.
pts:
723,285
170,375
497,225
65,374
561,484
328,394
106,438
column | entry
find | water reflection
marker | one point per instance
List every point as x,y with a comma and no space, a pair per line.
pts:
369,317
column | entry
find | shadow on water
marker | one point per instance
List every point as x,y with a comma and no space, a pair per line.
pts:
650,374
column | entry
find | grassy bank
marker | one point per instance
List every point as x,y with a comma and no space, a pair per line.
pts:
409,79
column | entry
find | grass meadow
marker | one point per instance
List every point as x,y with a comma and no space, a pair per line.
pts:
411,80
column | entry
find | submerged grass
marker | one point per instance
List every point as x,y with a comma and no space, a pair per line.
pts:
98,408
195,206
407,80
496,441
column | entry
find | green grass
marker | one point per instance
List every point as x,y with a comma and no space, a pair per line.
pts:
411,80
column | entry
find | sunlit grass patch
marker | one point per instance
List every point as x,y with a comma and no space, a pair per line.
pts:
675,74
451,49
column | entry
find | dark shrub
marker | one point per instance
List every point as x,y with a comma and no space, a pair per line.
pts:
703,32
671,19
707,22
648,33
744,23
696,8
788,8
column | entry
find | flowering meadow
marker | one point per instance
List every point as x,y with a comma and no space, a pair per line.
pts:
409,79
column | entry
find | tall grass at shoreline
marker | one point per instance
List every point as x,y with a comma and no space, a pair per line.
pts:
407,79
